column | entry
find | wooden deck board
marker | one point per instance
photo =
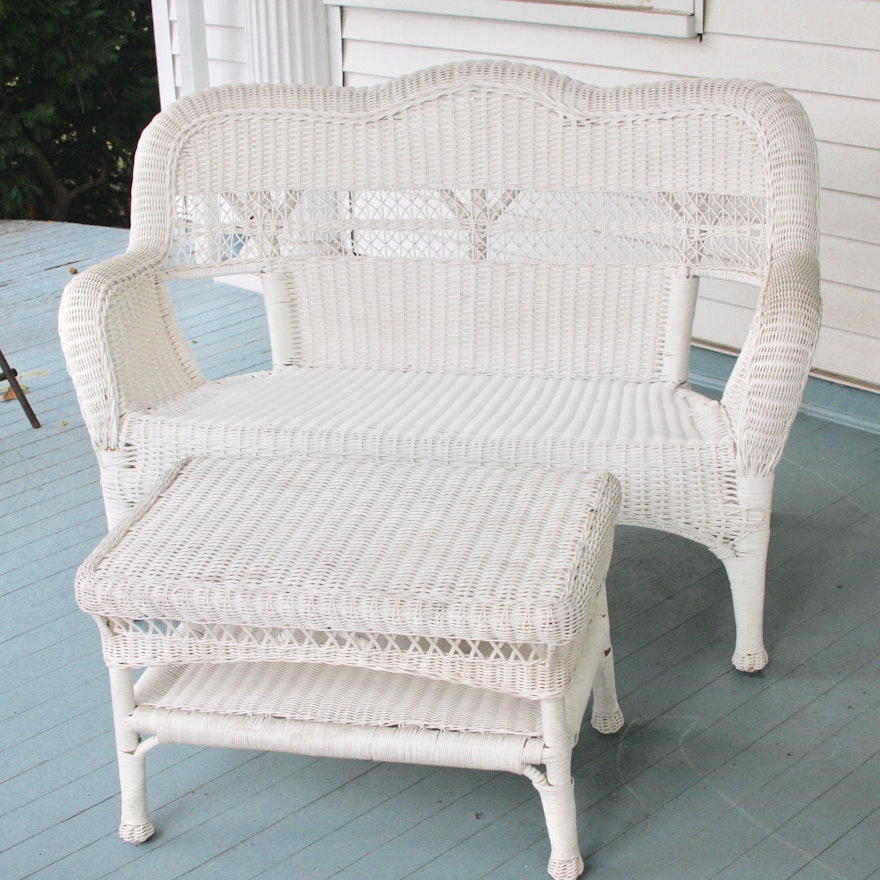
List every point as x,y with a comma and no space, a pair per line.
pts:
716,776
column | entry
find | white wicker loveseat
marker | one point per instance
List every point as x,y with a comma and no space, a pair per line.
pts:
480,262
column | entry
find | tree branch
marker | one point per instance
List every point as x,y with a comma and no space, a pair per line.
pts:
60,196
90,183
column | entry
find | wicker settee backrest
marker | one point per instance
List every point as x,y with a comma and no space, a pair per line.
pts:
483,217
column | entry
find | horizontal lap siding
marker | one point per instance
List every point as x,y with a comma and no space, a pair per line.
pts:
827,55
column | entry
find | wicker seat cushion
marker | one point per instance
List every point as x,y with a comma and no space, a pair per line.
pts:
639,431
321,399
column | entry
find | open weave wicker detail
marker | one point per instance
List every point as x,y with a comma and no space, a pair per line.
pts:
526,670
529,671
721,231
182,641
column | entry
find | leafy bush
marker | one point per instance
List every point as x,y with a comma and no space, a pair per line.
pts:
78,80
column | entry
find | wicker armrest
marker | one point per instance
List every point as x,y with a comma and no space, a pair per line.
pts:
123,345
764,391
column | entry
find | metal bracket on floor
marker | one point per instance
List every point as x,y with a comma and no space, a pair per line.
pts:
8,374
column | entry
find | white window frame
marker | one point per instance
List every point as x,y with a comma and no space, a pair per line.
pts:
661,18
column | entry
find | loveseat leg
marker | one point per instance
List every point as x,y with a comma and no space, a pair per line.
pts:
747,572
606,717
135,825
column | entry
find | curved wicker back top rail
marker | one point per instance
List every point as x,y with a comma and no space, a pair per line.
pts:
481,262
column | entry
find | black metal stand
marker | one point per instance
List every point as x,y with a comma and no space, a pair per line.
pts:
7,373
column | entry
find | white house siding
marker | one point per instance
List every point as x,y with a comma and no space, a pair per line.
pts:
826,53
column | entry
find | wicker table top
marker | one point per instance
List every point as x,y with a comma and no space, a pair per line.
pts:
335,560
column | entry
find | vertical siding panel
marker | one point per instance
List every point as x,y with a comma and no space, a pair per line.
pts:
164,53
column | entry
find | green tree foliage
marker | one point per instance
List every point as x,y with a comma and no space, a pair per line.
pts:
78,80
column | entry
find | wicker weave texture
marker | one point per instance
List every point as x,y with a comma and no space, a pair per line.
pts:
316,693
484,222
486,576
650,434
449,615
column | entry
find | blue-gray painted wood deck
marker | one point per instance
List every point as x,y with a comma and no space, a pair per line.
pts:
716,775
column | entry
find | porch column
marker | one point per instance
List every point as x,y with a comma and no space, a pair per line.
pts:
287,42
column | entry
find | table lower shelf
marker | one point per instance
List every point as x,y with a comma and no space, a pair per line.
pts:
338,711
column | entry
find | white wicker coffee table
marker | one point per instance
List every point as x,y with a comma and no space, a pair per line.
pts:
432,614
